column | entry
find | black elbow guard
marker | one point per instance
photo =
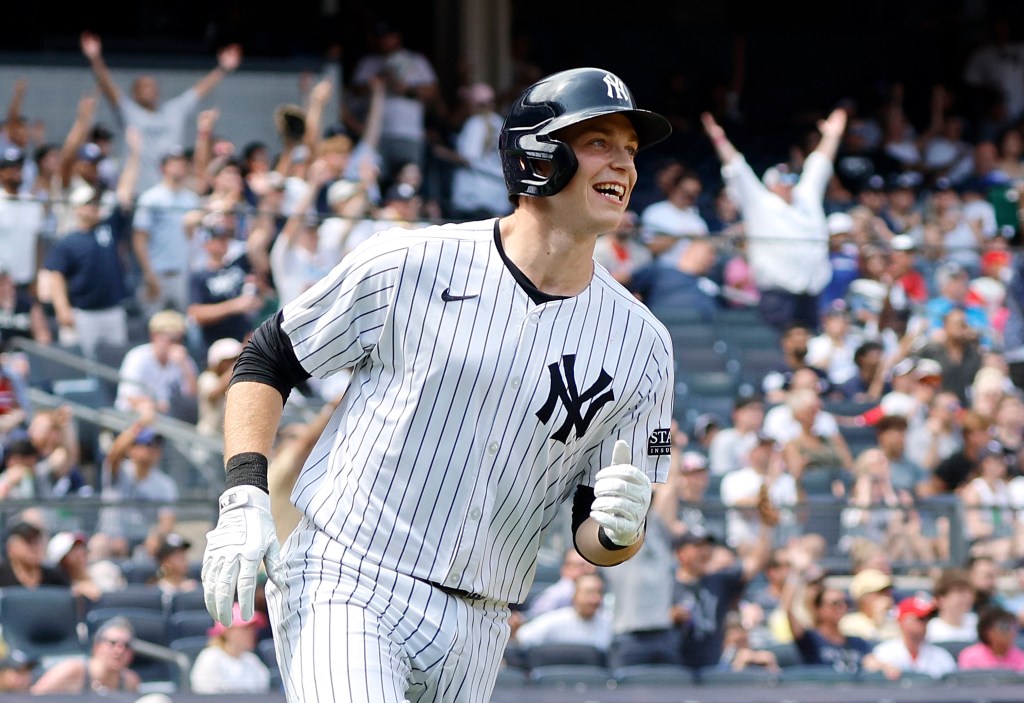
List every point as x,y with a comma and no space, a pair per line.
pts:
269,358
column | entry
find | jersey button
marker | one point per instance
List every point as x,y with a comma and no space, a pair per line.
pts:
454,578
534,319
514,383
474,514
492,448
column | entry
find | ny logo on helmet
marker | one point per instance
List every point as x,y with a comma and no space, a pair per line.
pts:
616,88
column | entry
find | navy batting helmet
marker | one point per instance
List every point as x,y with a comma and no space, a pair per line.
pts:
560,100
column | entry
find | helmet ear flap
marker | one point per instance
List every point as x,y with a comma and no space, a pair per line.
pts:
522,164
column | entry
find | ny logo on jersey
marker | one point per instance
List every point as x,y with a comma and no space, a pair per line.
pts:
616,88
565,389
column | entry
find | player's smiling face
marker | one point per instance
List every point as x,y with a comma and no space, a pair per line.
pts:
598,193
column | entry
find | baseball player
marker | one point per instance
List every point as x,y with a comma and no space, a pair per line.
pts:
495,369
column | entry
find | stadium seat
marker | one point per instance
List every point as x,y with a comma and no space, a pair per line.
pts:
149,625
576,677
42,622
697,335
754,336
746,677
859,438
677,315
134,595
111,354
695,359
738,316
188,600
816,673
190,646
43,372
188,623
563,654
786,654
708,383
137,572
983,677
268,656
954,647
653,675
511,677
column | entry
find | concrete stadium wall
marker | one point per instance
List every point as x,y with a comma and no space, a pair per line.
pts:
246,99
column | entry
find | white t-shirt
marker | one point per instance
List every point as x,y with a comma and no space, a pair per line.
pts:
665,218
216,671
931,659
787,243
403,116
746,483
780,424
729,450
834,359
296,268
159,213
143,376
481,185
162,129
941,631
21,221
565,626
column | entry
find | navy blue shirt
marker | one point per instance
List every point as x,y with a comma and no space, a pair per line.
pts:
91,264
708,601
662,286
846,657
216,286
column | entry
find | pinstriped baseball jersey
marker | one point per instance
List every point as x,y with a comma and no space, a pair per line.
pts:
473,412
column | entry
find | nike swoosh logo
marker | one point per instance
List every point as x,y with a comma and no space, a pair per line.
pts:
446,296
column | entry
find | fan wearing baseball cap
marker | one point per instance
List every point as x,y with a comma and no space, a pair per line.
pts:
228,664
910,652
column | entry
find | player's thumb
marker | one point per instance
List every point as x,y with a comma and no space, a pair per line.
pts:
620,453
273,563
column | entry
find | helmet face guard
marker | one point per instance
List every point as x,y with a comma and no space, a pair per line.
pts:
556,102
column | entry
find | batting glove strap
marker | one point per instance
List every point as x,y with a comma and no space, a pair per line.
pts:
606,541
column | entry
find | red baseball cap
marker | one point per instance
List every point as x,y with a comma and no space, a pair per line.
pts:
920,605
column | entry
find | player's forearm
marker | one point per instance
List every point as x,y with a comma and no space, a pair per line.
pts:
251,417
589,545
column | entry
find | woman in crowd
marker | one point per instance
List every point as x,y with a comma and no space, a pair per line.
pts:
105,670
997,631
228,664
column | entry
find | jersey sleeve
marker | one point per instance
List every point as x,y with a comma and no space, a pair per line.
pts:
336,322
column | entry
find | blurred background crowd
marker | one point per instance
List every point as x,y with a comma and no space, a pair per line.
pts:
843,287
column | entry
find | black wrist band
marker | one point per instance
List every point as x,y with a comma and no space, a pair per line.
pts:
247,469
606,542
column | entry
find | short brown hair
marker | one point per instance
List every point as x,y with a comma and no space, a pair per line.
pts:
338,144
950,580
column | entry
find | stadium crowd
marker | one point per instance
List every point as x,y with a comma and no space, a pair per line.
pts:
846,488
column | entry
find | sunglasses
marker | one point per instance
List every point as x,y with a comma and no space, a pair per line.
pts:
842,603
126,644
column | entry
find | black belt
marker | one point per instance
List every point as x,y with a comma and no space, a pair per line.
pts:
457,592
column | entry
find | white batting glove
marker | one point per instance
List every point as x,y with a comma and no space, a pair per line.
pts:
622,495
243,538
